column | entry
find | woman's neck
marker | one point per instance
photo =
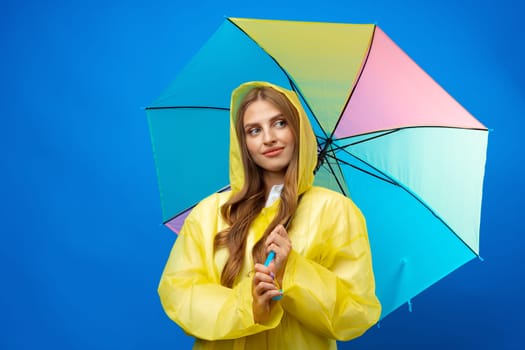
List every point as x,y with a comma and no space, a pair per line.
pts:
270,180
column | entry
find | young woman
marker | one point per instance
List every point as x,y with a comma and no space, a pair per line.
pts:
319,287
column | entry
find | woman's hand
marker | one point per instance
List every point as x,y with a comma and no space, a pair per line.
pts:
263,290
264,281
279,242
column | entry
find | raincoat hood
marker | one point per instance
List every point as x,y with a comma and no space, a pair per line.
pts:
306,140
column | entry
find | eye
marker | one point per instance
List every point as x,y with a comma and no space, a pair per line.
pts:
253,131
281,123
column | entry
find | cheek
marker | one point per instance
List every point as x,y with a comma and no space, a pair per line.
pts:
292,142
251,146
289,137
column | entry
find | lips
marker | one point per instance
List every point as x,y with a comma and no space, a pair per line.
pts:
274,152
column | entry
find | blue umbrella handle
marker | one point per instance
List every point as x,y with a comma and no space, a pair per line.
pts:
269,259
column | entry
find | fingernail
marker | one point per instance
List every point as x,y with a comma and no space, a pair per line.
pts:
273,275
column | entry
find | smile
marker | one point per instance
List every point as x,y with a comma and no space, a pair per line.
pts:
274,152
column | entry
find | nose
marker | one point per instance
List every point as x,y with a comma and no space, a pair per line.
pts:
269,136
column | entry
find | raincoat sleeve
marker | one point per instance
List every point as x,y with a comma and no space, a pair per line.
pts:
190,289
331,288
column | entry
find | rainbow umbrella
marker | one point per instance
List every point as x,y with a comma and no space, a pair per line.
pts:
409,155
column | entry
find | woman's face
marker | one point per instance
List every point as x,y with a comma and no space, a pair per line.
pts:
268,136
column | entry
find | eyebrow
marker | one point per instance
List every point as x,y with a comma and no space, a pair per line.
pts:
272,119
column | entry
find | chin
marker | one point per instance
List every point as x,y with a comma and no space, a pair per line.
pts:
276,169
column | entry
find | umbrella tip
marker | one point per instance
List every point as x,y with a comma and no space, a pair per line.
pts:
409,303
480,258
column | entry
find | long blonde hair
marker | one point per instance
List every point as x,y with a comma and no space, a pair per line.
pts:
244,206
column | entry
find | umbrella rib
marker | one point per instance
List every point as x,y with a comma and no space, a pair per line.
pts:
338,164
389,180
336,179
189,107
356,82
225,188
364,140
389,131
180,213
395,183
290,80
298,91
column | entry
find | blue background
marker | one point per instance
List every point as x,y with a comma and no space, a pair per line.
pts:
82,247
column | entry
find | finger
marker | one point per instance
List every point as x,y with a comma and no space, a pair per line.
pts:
262,277
271,294
263,287
275,244
279,239
273,247
278,231
281,231
262,269
268,295
281,250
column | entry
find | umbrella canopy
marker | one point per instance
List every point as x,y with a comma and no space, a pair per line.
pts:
409,155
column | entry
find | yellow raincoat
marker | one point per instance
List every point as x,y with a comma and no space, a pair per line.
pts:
328,284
